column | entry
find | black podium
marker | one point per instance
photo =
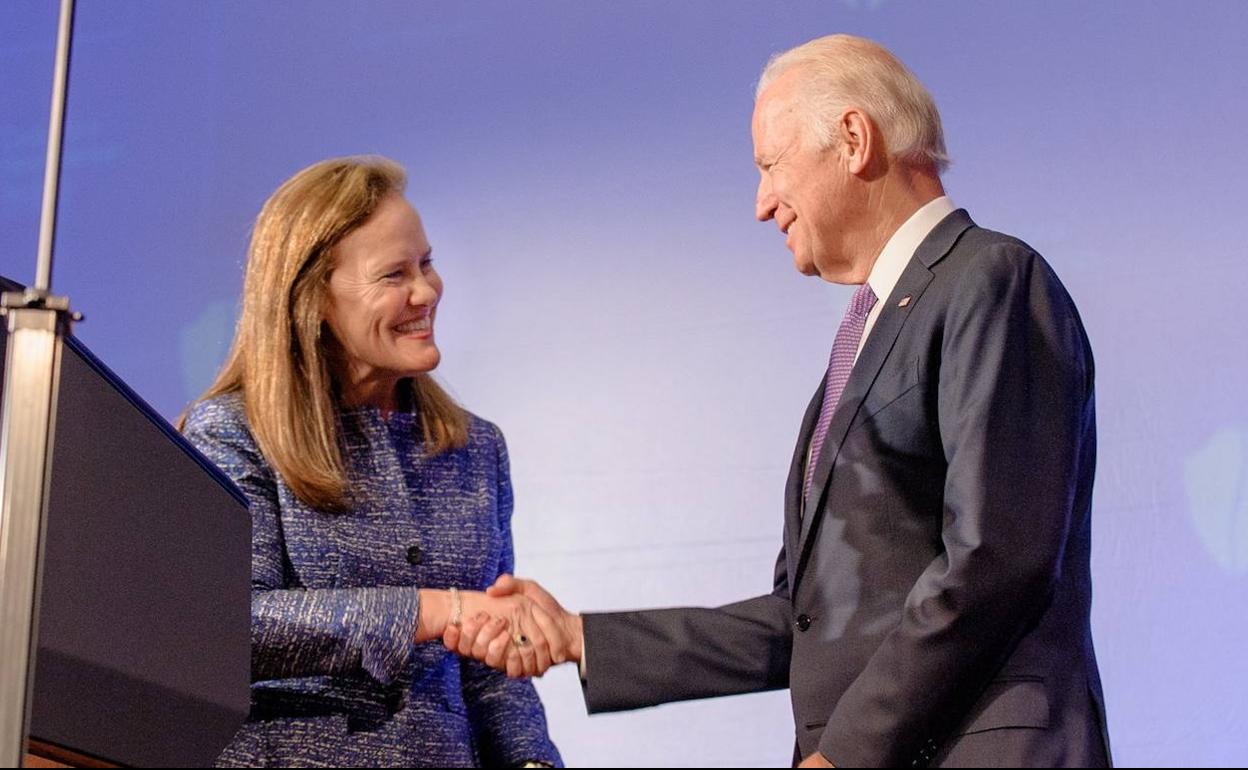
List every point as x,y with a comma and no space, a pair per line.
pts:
143,655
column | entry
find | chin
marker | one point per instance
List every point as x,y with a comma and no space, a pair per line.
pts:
423,364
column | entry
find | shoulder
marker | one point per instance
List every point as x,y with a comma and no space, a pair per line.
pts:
223,413
482,433
992,266
219,422
989,255
486,449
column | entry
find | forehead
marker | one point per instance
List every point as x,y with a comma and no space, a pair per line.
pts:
394,228
775,122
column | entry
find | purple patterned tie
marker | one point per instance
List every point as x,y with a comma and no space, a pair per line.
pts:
844,350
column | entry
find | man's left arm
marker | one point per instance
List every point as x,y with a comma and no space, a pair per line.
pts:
1015,399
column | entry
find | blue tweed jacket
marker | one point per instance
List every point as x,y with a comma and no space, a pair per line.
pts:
337,680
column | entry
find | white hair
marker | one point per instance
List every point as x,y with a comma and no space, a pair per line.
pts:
842,71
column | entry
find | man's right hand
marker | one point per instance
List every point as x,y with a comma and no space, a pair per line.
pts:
565,644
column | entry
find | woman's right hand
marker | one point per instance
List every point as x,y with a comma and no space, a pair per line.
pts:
509,633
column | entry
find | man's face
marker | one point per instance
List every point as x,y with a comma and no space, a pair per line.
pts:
804,188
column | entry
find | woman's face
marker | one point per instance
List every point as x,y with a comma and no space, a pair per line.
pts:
383,296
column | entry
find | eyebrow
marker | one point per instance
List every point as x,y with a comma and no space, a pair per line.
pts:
423,255
392,263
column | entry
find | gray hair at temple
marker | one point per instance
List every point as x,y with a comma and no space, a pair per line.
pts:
842,71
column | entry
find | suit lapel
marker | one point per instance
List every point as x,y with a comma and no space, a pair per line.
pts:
797,475
914,280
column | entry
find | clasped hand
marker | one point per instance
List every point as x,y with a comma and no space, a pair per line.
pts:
517,627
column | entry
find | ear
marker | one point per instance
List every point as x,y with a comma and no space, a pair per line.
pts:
859,139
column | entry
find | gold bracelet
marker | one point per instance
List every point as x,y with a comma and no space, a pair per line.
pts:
457,608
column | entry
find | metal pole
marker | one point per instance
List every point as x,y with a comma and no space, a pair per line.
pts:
31,374
36,325
56,137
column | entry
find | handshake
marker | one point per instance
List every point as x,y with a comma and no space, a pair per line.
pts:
515,626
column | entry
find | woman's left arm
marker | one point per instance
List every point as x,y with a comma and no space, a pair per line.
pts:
506,714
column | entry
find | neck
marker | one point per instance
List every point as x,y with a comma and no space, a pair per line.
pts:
893,200
381,394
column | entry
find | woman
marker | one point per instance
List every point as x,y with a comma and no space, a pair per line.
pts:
373,496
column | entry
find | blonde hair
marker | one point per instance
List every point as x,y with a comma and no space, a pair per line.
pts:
841,71
280,361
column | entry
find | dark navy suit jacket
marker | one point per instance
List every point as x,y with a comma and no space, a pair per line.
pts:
932,604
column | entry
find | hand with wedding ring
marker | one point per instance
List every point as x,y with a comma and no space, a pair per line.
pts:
542,634
509,633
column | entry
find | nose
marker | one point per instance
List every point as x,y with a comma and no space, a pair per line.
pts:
765,202
423,292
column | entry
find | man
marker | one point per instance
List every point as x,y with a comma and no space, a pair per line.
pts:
932,595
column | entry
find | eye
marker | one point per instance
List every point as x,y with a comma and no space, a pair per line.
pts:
426,264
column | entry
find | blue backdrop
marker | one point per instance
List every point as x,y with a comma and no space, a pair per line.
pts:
584,170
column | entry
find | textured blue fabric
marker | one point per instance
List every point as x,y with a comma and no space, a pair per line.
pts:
337,680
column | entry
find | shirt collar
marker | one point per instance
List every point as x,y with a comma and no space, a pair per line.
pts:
901,247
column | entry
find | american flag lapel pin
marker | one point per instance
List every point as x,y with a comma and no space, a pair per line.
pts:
904,301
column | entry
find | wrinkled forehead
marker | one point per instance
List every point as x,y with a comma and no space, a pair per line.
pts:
775,119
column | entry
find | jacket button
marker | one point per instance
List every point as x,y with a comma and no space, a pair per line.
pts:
414,555
803,622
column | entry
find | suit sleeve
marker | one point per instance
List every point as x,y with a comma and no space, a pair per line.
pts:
506,715
1015,394
649,657
299,632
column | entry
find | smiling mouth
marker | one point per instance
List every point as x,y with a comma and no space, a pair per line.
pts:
416,326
